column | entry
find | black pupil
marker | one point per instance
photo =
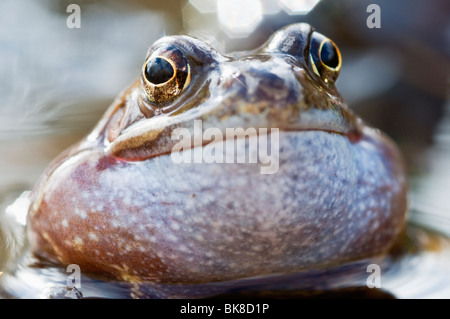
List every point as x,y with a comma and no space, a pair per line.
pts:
328,55
158,70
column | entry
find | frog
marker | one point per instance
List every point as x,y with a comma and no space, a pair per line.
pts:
117,204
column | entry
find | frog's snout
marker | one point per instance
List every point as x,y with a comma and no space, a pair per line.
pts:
273,82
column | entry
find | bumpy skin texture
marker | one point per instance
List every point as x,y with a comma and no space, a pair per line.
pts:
117,204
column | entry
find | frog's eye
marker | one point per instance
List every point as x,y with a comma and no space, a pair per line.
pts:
158,70
325,57
165,74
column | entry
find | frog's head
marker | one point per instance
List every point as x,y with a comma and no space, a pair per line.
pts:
117,203
288,83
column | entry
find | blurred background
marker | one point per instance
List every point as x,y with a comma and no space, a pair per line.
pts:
55,82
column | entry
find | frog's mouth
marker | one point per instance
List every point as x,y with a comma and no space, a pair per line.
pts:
132,137
146,141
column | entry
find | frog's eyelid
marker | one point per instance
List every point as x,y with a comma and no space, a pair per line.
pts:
308,55
196,51
313,64
188,78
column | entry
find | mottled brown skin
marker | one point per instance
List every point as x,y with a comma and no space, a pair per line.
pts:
117,205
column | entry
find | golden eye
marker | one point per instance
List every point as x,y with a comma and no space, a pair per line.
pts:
158,70
165,74
325,57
